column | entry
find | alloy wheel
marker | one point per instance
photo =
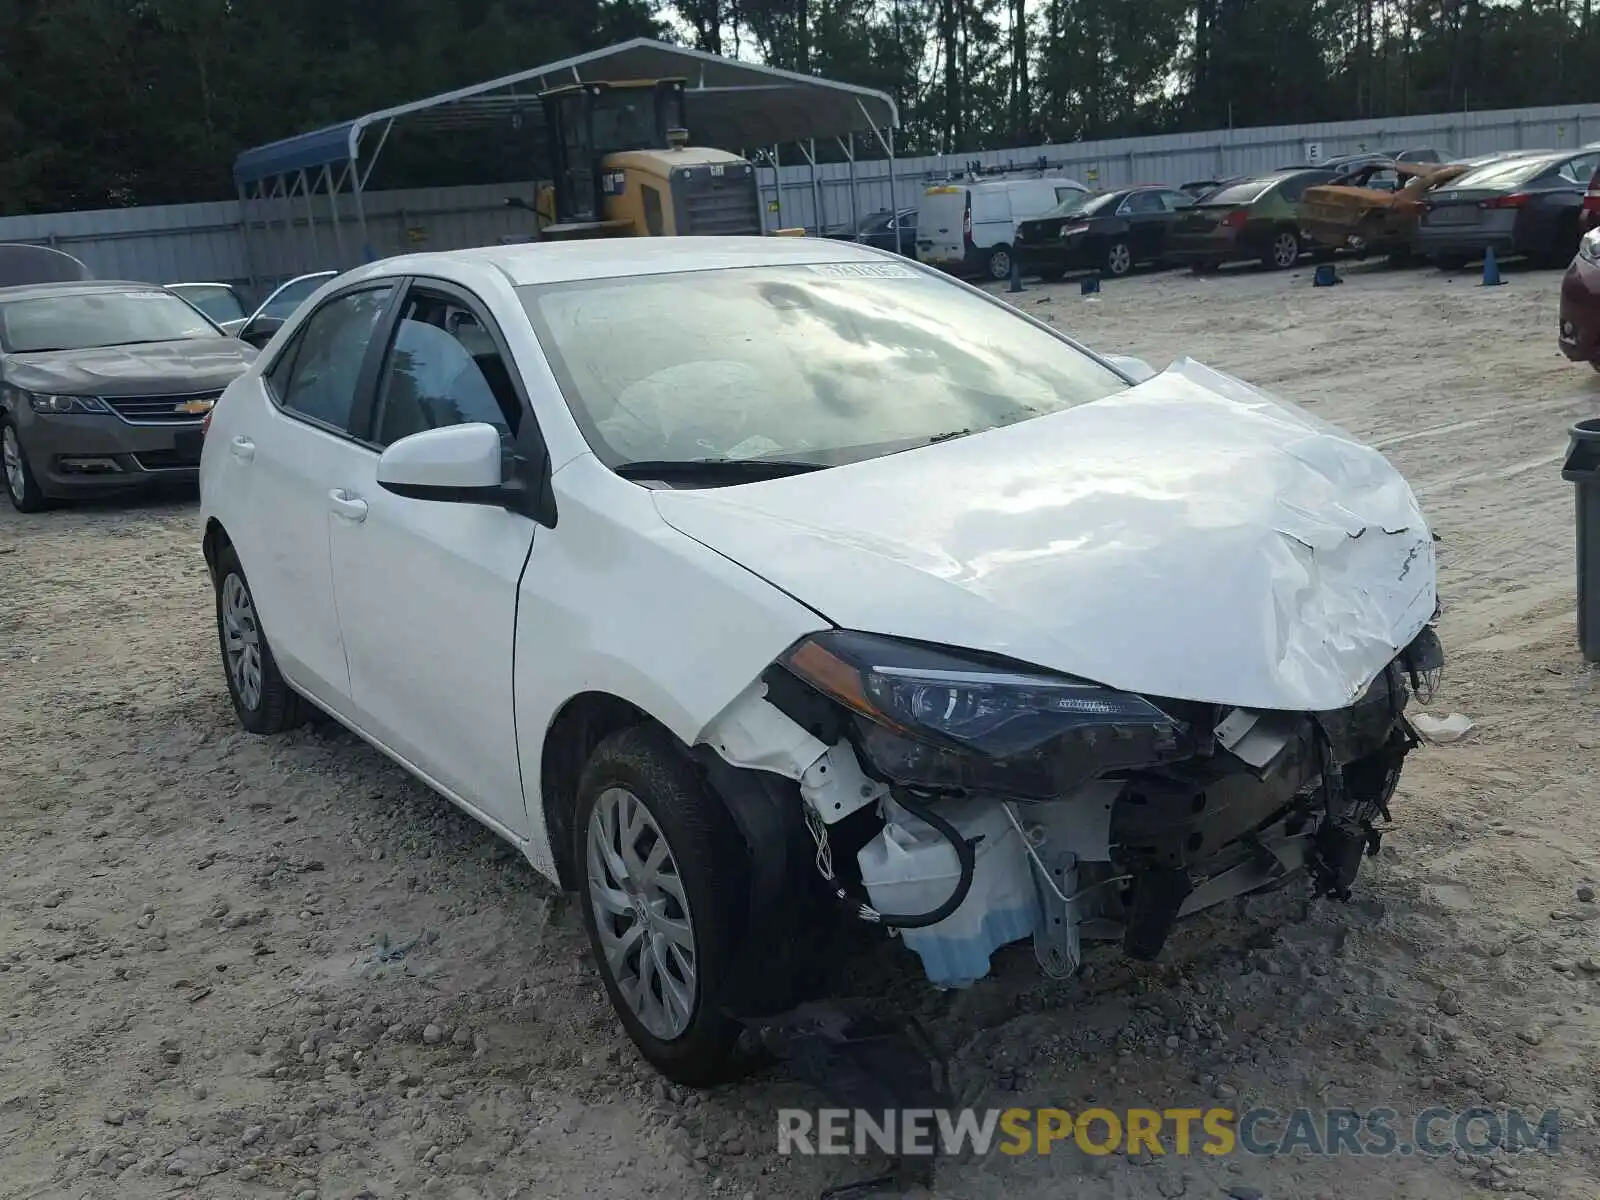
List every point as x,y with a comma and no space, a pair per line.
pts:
1119,259
241,638
11,451
641,913
1000,265
1285,250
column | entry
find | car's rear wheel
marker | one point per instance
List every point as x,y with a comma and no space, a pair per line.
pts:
1284,251
664,887
264,702
1119,258
21,486
1000,262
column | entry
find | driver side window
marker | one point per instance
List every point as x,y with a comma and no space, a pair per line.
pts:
443,368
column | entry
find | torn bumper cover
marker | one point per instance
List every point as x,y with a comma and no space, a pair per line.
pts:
1084,811
1152,652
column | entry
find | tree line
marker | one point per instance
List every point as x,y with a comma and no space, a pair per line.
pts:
106,103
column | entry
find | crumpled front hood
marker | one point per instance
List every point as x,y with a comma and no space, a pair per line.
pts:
1190,537
190,365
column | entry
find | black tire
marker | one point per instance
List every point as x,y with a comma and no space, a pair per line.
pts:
1283,251
710,865
1564,248
1118,260
28,498
277,706
998,265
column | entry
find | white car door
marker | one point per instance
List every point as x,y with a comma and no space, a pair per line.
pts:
282,461
427,591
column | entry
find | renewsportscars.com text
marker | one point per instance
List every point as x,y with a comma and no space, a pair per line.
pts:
1181,1132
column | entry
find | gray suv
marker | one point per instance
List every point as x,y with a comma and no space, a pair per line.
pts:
104,387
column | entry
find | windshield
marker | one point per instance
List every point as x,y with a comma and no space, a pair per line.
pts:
283,302
85,320
821,363
1503,174
1247,192
1086,206
217,301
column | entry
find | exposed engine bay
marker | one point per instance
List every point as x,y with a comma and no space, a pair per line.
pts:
967,802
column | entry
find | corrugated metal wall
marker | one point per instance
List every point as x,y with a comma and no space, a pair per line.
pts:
1180,158
206,241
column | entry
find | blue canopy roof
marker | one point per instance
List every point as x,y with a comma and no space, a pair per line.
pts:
731,104
303,152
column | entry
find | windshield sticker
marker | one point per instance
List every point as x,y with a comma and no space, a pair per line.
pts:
863,270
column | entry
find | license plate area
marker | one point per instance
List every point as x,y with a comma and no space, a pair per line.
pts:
186,445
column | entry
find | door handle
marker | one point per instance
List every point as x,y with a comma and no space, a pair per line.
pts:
351,508
242,448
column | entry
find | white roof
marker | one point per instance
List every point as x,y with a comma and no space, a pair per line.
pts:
603,258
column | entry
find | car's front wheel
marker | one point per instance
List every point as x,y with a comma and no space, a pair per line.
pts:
664,885
264,702
1000,263
21,486
1119,258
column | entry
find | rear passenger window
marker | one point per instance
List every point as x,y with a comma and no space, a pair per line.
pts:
1292,189
1581,170
321,369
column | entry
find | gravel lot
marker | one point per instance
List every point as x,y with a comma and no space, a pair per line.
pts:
234,967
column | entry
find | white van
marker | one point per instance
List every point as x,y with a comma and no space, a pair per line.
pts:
968,228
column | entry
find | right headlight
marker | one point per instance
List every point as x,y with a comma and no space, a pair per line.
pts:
59,405
1589,246
938,717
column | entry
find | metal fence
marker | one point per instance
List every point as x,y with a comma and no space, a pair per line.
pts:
206,241
1177,158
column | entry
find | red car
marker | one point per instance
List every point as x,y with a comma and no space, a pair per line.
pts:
1580,294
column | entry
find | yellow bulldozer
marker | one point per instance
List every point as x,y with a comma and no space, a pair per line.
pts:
623,167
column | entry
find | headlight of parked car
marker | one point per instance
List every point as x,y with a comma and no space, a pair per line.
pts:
1589,247
67,404
935,717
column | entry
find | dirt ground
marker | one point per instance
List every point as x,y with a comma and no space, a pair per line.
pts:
235,967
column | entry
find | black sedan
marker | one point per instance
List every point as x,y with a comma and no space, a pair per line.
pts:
1111,232
878,229
1517,206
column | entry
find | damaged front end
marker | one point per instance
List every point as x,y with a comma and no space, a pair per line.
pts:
968,801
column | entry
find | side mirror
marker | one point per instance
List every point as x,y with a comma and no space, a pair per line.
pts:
461,463
260,331
1135,369
468,464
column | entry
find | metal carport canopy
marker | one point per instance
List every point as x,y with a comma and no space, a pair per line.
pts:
731,104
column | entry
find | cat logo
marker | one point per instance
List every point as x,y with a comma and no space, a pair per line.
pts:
194,408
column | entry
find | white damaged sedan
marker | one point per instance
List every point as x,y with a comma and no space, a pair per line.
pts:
753,585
